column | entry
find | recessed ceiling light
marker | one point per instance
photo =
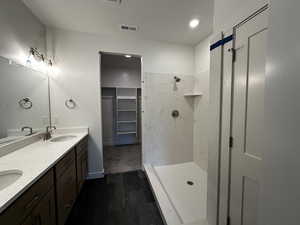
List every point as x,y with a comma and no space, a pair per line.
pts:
194,23
128,56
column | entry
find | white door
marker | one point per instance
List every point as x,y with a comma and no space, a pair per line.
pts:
248,119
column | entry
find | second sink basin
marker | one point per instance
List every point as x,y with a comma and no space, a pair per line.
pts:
8,177
63,138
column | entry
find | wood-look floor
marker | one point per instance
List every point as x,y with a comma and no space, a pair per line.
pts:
117,199
120,159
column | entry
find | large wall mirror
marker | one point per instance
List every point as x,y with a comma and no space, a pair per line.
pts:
24,101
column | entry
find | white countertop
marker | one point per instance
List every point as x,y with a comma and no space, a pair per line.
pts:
34,161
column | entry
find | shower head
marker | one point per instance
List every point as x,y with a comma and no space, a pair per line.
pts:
177,79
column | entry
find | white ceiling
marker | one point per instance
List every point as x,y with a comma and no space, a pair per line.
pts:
164,20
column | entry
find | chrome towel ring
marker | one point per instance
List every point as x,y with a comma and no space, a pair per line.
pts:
70,104
25,103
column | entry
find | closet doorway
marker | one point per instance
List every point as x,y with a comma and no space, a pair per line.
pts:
121,93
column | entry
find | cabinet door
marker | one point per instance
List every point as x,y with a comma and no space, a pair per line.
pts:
66,193
44,213
81,170
29,221
24,205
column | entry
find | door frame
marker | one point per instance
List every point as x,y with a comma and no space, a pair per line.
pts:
227,80
142,97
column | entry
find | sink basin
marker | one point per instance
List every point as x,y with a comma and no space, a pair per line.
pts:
8,177
63,138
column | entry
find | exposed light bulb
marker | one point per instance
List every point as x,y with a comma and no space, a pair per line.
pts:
30,59
128,56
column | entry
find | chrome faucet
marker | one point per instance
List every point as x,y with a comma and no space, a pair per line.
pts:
28,128
48,133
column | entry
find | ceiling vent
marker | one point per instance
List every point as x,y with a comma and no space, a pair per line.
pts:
125,27
113,1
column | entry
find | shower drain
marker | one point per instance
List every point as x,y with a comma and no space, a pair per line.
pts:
190,182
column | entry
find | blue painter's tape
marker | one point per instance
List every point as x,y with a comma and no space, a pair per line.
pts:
221,42
215,45
227,39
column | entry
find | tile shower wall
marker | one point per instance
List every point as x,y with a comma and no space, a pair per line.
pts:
201,110
167,140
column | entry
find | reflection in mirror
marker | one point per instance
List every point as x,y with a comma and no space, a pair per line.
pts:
24,101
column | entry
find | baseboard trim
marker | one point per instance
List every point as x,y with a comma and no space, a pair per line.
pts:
95,175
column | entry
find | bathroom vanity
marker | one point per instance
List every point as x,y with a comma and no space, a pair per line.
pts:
39,180
52,176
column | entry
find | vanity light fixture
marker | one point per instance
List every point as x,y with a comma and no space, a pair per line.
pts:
34,54
39,62
194,23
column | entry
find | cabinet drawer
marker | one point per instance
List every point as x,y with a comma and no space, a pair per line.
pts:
16,213
82,146
64,163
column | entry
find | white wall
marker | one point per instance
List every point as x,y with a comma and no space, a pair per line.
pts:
281,183
230,12
201,113
76,54
20,30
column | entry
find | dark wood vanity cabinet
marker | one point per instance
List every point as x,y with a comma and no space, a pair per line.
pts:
71,173
50,200
81,163
35,207
44,213
66,188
